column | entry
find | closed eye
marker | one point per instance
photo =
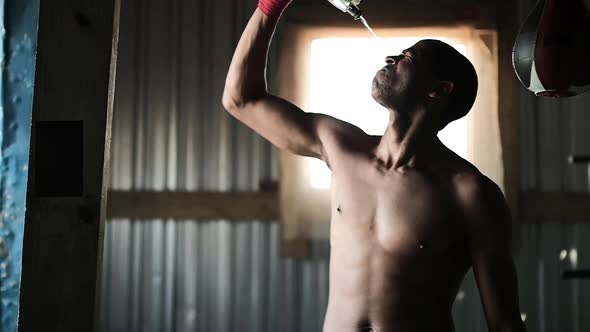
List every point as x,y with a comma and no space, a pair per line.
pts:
409,56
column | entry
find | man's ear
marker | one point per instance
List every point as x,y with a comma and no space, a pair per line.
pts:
443,88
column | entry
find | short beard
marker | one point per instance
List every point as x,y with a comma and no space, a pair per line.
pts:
400,99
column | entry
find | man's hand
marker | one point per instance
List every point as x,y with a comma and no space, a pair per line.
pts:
273,8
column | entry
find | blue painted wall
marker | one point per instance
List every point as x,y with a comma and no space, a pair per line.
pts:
19,40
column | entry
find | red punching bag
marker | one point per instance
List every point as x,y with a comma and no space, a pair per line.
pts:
551,55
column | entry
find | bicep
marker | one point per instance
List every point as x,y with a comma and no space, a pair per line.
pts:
283,124
492,260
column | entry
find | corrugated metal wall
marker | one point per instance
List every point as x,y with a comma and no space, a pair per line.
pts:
170,133
551,130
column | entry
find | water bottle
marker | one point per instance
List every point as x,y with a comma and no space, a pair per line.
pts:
348,6
351,7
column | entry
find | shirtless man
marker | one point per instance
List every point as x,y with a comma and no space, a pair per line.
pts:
409,216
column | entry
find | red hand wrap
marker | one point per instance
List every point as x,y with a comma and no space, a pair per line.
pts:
273,8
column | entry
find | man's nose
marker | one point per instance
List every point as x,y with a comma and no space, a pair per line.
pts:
392,59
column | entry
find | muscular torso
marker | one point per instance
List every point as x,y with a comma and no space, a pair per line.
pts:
398,247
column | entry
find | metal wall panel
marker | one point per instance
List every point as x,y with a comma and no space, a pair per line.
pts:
551,130
170,133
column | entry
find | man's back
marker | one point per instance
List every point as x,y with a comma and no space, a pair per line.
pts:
399,248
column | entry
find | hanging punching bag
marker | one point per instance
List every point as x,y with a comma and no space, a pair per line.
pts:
551,55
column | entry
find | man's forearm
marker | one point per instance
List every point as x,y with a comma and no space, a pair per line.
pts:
246,76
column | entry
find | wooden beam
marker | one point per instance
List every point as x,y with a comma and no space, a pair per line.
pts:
194,205
388,14
240,206
68,166
538,207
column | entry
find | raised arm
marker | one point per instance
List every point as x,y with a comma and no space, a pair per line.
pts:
490,245
246,97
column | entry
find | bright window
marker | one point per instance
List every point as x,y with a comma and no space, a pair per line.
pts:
341,72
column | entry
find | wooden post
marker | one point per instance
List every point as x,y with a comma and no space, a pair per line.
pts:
68,167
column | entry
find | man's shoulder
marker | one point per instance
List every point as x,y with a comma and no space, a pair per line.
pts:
332,127
480,199
341,140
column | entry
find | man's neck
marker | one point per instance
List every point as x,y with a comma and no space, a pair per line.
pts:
409,138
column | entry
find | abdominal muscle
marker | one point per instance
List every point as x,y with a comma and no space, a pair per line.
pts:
387,283
367,294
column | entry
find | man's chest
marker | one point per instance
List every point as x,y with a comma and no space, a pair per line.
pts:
405,214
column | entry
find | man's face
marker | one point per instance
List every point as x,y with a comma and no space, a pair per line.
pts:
403,81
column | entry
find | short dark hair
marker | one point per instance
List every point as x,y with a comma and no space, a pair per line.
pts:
447,64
